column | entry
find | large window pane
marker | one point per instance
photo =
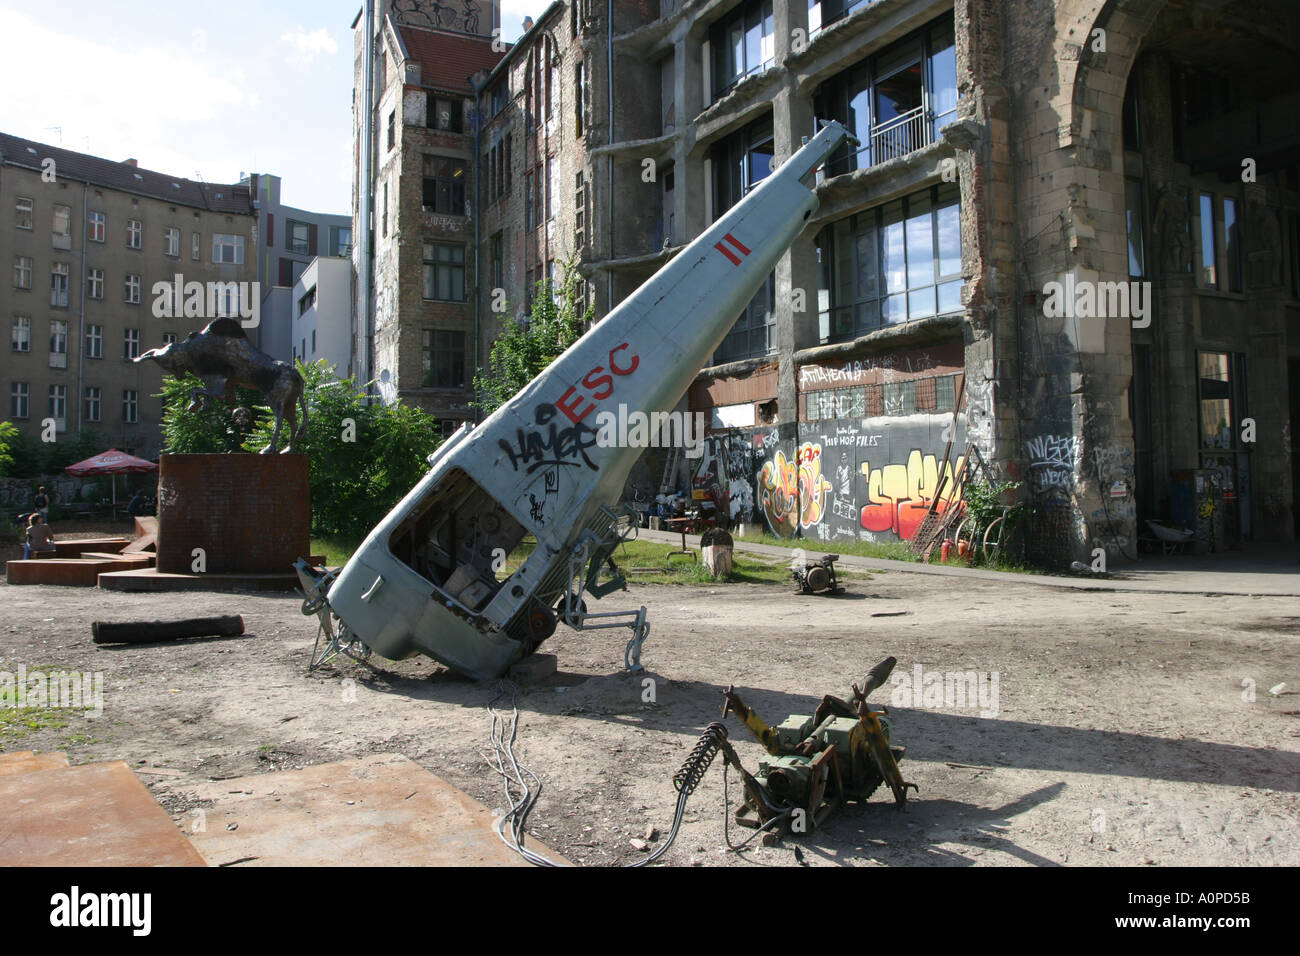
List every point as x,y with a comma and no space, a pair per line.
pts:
948,224
943,76
920,242
1133,225
1209,263
893,260
1232,244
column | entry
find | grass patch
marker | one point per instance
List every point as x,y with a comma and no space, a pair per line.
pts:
336,550
887,551
649,562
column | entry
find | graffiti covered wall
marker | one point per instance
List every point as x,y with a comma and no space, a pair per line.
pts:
846,479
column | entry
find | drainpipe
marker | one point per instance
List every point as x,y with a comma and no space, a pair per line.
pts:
609,96
364,204
478,265
81,312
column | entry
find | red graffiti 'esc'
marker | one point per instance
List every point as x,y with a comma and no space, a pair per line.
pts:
601,386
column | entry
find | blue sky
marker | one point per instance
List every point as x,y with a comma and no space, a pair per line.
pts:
196,89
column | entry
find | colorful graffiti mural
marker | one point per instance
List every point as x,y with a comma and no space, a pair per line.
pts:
899,495
793,492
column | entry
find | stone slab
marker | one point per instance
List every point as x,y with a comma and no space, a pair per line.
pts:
380,810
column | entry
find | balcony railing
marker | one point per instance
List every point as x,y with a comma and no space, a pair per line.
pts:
901,135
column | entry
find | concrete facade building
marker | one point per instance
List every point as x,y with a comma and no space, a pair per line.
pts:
322,314
86,240
1075,225
290,239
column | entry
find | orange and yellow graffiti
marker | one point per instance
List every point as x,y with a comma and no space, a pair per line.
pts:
789,485
899,495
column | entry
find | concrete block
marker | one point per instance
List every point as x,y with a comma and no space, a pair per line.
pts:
533,668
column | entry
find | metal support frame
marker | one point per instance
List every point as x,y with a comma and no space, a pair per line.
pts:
590,551
315,587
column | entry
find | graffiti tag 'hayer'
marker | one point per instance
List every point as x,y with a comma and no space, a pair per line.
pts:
789,485
900,495
1051,461
555,446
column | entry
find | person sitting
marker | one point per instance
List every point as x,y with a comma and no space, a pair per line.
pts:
40,538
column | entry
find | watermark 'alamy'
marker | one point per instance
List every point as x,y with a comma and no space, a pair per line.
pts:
1085,299
638,429
61,689
953,690
208,300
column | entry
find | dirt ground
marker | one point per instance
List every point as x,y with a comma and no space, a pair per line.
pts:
1123,733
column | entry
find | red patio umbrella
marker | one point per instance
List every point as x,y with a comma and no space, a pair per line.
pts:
111,462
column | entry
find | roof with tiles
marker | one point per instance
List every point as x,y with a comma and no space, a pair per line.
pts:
447,60
82,167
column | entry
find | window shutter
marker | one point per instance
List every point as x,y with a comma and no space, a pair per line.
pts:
270,229
311,240
286,275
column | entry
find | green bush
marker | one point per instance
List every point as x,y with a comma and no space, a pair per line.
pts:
362,457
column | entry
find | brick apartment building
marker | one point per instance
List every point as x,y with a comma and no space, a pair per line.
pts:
1007,151
85,239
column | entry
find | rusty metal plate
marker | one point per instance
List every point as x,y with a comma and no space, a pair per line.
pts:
24,761
98,814
381,810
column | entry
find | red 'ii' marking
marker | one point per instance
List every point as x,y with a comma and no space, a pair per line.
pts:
734,242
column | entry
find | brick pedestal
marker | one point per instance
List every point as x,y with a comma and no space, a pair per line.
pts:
249,513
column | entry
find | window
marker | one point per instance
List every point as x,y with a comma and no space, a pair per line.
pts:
95,283
307,301
22,272
392,129
1232,244
341,241
529,221
444,271
742,43
1209,244
741,162
383,230
297,236
500,95
24,212
195,245
892,264
444,114
21,339
551,199
94,341
131,344
172,242
580,212
58,337
579,97
131,289
444,185
498,262
228,249
96,227
92,402
754,333
1133,227
444,359
18,400
313,341
134,234
130,406
169,338
499,169
896,101
59,285
61,227
59,404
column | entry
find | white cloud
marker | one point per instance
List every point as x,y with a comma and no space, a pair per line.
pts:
305,47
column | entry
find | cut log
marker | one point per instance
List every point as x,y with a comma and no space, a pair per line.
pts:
143,632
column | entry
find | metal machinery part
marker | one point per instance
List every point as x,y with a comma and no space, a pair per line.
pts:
817,577
817,762
439,576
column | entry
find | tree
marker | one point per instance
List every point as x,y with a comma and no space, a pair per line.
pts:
522,351
208,429
8,432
